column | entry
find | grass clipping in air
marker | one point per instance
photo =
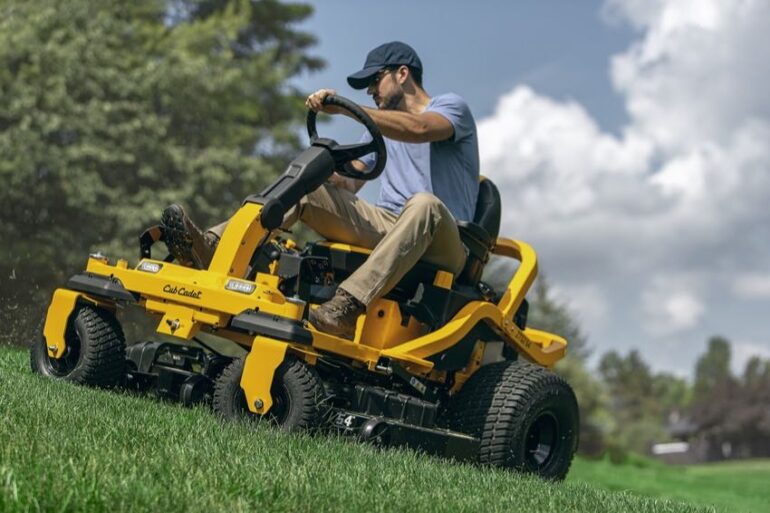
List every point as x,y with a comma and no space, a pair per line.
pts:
70,448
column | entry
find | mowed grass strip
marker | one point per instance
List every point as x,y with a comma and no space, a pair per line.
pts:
70,448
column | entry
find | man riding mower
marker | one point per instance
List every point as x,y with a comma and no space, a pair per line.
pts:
441,362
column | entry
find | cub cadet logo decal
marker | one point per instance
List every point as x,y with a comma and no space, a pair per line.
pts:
173,289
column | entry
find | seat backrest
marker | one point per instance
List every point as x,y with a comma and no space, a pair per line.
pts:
480,235
488,207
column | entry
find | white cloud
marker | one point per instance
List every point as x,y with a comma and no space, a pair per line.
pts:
680,196
670,307
588,301
752,286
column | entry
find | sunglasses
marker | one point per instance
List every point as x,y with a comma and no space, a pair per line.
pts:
379,76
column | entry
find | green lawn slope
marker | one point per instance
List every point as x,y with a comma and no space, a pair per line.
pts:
739,486
70,448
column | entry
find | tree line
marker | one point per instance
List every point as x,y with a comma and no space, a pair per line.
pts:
111,110
626,407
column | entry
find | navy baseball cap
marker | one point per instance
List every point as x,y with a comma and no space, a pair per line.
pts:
394,53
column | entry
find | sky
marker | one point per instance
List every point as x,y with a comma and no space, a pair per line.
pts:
630,140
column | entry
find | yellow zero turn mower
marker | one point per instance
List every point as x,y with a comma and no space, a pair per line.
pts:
442,363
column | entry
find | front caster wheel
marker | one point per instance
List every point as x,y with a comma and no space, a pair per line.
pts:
95,353
297,393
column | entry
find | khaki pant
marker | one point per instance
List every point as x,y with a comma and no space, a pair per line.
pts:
425,230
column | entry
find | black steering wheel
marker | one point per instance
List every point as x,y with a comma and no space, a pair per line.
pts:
344,154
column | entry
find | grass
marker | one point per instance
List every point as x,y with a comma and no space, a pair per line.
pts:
739,486
69,448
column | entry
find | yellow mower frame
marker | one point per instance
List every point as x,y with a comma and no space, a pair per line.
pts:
188,300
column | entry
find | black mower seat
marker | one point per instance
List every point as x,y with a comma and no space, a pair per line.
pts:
480,235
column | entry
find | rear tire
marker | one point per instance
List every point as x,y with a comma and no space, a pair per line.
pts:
525,416
95,353
297,393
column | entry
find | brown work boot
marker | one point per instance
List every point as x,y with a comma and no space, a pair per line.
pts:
338,315
185,241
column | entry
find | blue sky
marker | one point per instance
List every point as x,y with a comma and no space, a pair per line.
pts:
629,140
479,51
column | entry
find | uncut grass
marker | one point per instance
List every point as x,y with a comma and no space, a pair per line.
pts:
731,487
70,448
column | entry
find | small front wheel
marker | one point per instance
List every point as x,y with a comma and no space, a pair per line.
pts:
297,392
95,353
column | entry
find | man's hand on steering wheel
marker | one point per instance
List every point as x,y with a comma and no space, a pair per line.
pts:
346,156
349,184
315,103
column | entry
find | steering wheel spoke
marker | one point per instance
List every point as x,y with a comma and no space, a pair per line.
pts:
346,153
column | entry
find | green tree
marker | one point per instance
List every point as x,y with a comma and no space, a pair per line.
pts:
712,370
640,400
111,110
756,375
673,393
753,414
731,411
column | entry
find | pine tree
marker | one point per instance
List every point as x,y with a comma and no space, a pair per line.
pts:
111,110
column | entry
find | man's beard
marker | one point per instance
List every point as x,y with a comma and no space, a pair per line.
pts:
392,101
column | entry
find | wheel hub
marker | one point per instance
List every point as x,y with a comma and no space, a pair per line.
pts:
541,441
63,366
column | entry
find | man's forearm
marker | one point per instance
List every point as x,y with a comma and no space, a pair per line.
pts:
407,127
400,126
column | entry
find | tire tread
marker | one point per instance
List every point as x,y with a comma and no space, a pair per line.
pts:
230,402
494,404
102,348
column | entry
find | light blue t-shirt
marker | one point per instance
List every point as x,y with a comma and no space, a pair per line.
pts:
448,169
